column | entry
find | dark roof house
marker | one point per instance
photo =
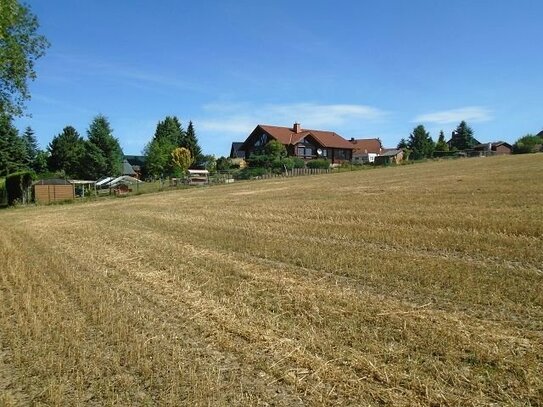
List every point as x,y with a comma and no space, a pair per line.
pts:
235,151
303,143
136,161
127,168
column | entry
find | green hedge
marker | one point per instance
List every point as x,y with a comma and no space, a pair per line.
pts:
18,186
3,194
322,163
248,173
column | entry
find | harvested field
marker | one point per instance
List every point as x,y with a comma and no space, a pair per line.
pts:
408,286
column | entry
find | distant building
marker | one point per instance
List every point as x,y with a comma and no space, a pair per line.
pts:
303,143
365,150
136,162
494,148
128,169
235,152
389,156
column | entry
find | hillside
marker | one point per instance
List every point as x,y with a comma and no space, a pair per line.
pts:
412,285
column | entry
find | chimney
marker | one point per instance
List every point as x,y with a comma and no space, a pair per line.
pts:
297,128
352,140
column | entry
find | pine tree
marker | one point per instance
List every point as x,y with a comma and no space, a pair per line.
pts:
40,163
12,148
31,146
100,134
95,164
66,151
441,144
420,143
462,138
190,142
169,130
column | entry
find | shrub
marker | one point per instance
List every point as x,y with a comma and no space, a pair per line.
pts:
293,162
258,161
18,185
528,144
248,173
321,163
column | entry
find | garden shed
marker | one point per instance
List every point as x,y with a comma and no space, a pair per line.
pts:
198,177
53,190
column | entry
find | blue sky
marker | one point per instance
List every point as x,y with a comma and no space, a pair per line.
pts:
360,68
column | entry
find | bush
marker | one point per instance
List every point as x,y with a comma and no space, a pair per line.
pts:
259,161
293,162
321,163
18,186
248,173
528,144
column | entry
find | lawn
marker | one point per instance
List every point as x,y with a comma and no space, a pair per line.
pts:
405,286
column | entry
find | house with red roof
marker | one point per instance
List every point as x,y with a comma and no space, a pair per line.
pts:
365,150
303,143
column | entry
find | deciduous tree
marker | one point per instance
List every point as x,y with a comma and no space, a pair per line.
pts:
168,136
181,159
20,47
528,144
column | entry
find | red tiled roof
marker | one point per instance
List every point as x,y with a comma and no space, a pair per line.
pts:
288,136
367,145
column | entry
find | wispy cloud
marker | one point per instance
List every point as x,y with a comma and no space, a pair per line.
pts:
469,113
65,105
76,66
242,117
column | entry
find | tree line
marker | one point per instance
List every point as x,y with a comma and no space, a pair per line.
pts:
420,144
169,153
67,155
166,154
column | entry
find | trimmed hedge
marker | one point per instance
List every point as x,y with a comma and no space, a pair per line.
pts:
321,163
18,185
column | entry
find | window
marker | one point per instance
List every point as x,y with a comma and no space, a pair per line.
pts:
262,140
302,151
342,154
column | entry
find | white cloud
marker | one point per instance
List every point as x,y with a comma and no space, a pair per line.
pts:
470,113
243,117
234,124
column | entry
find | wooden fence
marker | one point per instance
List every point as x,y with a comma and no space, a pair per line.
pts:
296,172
